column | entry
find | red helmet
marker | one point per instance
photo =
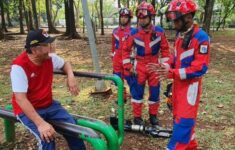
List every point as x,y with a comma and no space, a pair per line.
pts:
145,9
125,12
178,8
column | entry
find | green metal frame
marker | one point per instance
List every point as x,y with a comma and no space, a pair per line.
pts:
114,140
9,127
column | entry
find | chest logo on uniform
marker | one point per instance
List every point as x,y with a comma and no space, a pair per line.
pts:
203,49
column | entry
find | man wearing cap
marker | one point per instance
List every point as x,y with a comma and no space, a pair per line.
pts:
31,78
189,65
119,35
150,46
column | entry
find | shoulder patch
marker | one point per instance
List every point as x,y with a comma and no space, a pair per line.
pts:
203,49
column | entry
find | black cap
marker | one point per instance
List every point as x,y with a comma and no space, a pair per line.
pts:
36,37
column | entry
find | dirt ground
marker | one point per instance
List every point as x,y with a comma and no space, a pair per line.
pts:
216,118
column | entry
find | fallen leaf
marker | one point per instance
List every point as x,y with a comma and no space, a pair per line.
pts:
220,106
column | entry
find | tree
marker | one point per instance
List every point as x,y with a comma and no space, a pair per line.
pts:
119,3
77,10
70,20
8,17
1,34
161,4
208,14
21,16
153,3
226,10
28,15
51,28
35,17
4,28
101,17
58,4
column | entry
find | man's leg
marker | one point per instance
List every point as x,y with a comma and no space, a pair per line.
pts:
182,136
28,124
58,113
138,94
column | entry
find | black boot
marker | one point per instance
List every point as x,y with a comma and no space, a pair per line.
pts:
138,121
153,120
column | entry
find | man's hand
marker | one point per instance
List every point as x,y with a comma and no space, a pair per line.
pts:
72,85
161,70
47,132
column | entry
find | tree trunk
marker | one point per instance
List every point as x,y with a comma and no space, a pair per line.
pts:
98,13
9,18
67,31
77,13
161,20
35,17
26,15
55,16
21,16
119,3
208,14
51,28
226,15
70,20
153,3
127,3
30,20
4,28
101,17
1,34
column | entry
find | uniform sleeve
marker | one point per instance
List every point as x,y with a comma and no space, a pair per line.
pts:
126,54
199,65
165,51
19,80
113,45
57,61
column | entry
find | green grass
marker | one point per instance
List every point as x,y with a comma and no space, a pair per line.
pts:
230,32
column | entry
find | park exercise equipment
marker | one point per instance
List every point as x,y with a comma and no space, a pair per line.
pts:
114,140
83,133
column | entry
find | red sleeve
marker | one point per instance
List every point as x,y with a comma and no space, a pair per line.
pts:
199,65
165,50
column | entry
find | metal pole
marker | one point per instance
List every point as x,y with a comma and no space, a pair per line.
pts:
100,86
9,127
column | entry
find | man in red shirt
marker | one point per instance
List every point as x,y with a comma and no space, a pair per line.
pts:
189,64
31,77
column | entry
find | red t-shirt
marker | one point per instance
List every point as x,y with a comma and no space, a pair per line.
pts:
39,77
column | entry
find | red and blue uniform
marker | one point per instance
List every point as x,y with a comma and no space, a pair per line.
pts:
119,36
188,67
145,47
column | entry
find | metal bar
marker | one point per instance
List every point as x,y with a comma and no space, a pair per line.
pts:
119,84
84,74
100,85
84,133
9,127
106,130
